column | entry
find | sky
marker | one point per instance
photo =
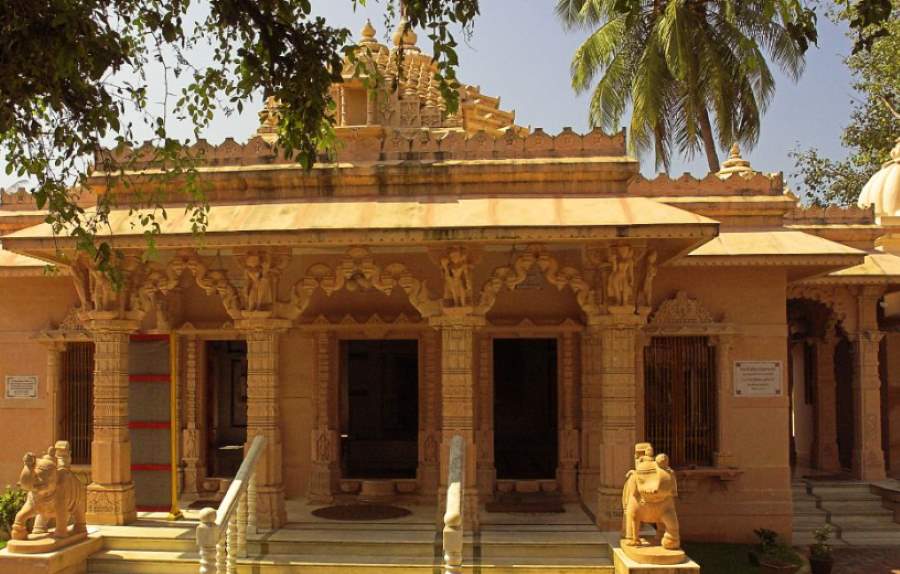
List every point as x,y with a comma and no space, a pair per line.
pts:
520,52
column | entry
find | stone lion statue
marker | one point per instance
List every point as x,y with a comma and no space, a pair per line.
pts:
649,496
54,493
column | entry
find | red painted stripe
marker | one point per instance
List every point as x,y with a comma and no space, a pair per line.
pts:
166,467
142,508
148,378
149,337
149,425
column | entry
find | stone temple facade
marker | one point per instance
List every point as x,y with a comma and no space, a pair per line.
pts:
448,274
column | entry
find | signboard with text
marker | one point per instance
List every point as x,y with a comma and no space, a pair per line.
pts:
21,387
758,379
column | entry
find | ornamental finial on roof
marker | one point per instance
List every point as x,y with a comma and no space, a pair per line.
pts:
883,189
404,37
735,163
367,33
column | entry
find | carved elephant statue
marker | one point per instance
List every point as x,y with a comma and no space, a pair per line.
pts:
54,493
649,497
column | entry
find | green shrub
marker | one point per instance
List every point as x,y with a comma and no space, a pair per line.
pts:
11,501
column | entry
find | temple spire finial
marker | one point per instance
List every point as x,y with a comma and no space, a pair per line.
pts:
367,33
404,37
735,163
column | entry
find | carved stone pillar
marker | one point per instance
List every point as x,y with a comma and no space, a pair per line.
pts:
55,349
110,496
726,453
458,398
194,469
325,440
567,473
892,356
609,390
868,456
430,420
487,473
826,447
263,415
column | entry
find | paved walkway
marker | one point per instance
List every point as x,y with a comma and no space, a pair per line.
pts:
867,560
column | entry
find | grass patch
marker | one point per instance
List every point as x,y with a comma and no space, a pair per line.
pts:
721,558
2,544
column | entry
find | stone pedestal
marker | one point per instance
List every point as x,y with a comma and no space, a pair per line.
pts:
110,497
625,565
68,560
263,416
609,410
868,456
457,327
826,447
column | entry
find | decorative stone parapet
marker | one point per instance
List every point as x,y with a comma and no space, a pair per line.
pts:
688,185
372,144
831,215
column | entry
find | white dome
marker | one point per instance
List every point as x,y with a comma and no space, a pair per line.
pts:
883,189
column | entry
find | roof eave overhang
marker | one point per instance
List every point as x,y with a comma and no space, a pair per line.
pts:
681,237
798,267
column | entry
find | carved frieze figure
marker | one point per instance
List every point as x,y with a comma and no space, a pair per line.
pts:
620,284
650,271
103,296
262,276
54,493
649,497
457,278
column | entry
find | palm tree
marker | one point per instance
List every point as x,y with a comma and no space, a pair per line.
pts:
683,64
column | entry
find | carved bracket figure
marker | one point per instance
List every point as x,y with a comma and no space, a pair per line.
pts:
457,272
649,497
359,272
510,277
54,495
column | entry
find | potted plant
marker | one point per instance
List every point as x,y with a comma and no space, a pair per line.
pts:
821,561
767,539
772,556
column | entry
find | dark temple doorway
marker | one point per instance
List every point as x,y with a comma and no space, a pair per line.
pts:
525,414
380,408
226,406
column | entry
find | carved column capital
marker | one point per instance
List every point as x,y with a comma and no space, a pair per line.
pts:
262,324
101,322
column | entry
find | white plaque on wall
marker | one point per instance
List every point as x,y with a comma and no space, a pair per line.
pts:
758,379
21,387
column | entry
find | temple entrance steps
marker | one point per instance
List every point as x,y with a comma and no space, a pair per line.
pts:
563,543
347,547
851,508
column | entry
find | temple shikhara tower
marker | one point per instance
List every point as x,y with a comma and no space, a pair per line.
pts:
447,274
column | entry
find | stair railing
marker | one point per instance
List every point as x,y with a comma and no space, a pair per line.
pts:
453,517
222,533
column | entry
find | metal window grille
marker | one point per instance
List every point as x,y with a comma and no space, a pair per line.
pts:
680,399
77,400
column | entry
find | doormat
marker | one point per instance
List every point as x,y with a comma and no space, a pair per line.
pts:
361,512
531,507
